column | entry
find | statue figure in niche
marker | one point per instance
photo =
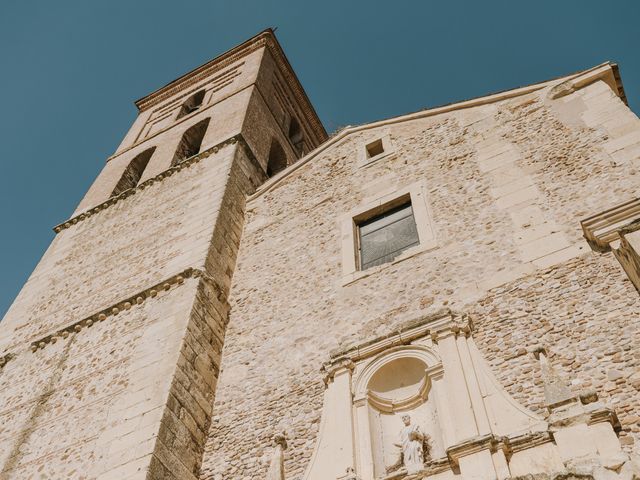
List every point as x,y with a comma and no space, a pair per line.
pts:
414,448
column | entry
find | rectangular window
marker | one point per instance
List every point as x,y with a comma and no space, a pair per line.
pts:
375,148
383,237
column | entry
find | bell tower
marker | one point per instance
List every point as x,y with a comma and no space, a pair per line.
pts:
110,354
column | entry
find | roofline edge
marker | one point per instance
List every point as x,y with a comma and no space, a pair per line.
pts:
590,75
266,38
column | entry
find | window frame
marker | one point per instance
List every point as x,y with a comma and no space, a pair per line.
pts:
415,193
388,150
405,202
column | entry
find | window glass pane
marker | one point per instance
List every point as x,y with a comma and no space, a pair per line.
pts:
385,219
384,237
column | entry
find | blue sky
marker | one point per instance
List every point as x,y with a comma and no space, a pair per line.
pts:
71,70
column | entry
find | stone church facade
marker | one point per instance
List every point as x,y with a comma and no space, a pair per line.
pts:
448,294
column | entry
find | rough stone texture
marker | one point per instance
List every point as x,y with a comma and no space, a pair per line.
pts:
129,392
585,312
508,184
67,399
137,242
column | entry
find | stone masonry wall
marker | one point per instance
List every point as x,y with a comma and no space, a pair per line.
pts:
508,184
130,393
182,431
130,245
90,404
585,313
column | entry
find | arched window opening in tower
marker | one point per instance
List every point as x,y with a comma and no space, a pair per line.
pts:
132,174
296,136
193,103
277,159
191,141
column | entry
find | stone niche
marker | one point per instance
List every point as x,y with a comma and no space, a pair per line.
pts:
422,403
397,384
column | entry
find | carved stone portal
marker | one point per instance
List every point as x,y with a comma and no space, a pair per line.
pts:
422,402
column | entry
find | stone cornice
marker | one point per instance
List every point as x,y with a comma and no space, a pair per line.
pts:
265,39
407,332
508,444
238,138
125,304
604,415
203,71
518,443
438,325
473,445
602,229
431,467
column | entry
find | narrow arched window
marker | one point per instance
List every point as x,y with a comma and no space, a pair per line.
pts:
191,141
295,135
277,159
132,174
193,103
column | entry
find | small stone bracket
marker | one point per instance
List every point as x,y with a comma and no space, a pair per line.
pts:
280,439
473,445
6,359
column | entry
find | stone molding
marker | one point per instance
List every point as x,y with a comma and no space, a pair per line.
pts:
122,305
602,229
435,324
438,323
330,370
443,342
265,39
573,413
389,405
431,467
236,139
417,194
473,445
427,355
493,443
604,415
525,441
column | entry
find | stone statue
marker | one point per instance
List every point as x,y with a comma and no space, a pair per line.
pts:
413,448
